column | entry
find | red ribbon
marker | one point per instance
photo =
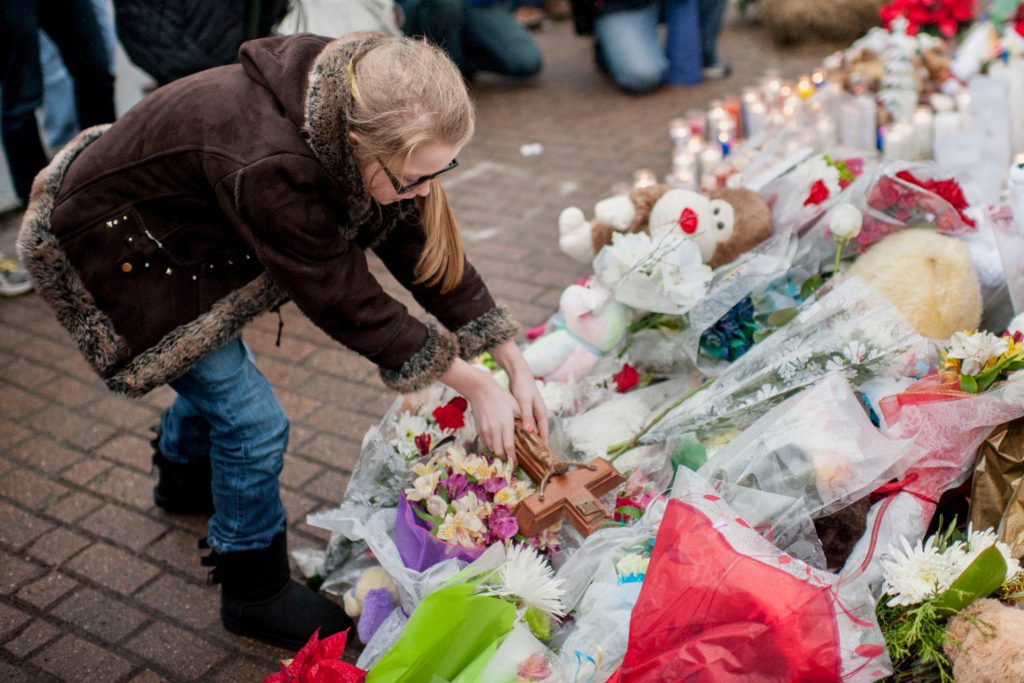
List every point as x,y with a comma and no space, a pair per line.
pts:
894,487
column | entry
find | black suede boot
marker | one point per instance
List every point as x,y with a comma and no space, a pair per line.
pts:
259,600
182,488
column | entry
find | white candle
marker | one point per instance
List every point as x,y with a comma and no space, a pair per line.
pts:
1013,71
947,123
923,124
898,142
710,157
684,170
644,177
963,105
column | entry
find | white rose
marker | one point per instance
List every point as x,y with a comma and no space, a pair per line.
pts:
845,221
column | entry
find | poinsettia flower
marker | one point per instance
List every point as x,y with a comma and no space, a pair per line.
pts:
626,378
319,661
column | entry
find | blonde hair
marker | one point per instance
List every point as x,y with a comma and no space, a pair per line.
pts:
408,92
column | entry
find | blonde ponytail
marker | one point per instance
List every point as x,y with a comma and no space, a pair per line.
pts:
443,260
407,93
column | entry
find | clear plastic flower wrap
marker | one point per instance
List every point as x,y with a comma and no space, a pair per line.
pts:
747,606
947,426
849,328
803,196
818,446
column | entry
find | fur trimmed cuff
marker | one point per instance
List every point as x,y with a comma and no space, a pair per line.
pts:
490,329
426,365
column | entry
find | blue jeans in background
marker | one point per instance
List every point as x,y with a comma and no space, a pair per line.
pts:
712,13
226,408
477,37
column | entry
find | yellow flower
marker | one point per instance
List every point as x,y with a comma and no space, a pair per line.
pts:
460,529
424,486
507,496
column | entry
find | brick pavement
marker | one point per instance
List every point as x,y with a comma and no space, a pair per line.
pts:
96,584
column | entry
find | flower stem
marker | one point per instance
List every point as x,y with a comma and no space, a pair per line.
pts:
840,244
615,450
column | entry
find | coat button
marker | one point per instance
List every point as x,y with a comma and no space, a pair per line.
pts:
126,267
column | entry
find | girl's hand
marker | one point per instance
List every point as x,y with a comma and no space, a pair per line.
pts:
532,410
494,408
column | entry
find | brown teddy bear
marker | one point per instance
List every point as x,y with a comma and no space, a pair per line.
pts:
724,224
985,642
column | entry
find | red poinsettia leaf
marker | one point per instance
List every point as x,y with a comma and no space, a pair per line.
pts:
305,653
626,378
281,676
688,221
332,647
335,671
459,403
819,193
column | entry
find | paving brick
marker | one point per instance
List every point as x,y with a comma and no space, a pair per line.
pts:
73,659
296,406
179,550
74,507
160,398
298,470
84,471
132,451
184,655
56,546
23,674
31,489
196,606
329,486
20,528
11,619
112,568
123,412
44,591
243,671
17,402
333,451
297,506
37,634
14,433
46,454
281,374
347,395
28,374
61,424
104,617
72,392
15,572
124,527
342,363
148,677
128,486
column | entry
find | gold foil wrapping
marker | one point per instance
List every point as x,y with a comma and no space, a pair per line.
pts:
997,497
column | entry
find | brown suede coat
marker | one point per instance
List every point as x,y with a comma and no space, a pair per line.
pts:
218,197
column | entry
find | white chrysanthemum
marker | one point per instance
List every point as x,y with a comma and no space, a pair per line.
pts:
916,573
528,578
626,252
409,426
819,169
632,567
978,541
975,350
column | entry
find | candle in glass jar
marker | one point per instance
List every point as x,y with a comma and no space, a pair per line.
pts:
946,123
924,125
710,158
644,177
804,88
684,169
818,78
678,131
898,141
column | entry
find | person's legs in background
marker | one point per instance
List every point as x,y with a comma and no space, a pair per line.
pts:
60,118
529,13
683,42
443,23
22,87
75,30
629,47
712,14
496,42
248,435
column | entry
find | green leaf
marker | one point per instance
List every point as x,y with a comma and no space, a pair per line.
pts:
810,286
539,623
986,380
630,511
426,516
982,578
968,384
690,455
781,317
761,335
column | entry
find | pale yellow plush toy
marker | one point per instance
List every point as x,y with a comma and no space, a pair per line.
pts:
985,642
928,277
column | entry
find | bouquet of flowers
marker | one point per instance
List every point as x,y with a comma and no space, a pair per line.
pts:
463,500
928,583
979,359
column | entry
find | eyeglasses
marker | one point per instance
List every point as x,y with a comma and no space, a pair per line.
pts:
403,189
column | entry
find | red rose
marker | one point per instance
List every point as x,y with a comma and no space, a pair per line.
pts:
626,378
819,193
451,415
422,442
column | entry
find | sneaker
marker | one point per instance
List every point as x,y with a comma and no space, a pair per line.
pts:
13,278
529,16
717,71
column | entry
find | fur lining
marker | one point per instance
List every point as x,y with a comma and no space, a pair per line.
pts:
328,101
183,347
426,365
54,278
490,329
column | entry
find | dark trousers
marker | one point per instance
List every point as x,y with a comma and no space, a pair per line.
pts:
477,38
73,27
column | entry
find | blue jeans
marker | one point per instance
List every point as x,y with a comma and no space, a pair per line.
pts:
227,411
711,12
629,46
477,38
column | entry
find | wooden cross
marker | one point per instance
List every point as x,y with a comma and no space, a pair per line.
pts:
567,489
